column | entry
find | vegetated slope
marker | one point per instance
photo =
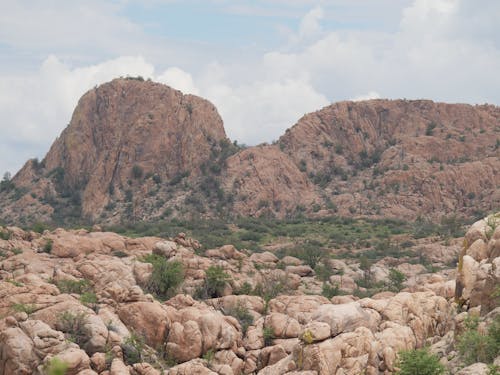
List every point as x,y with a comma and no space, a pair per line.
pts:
400,158
139,150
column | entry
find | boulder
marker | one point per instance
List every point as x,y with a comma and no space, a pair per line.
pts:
149,319
346,317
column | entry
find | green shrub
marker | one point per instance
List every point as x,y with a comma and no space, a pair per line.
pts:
323,272
396,280
419,362
17,251
165,278
178,178
73,286
156,179
270,288
329,291
215,282
451,226
310,252
242,314
22,307
5,234
119,254
39,227
493,370
430,128
47,247
424,228
476,347
492,222
268,335
55,367
90,300
137,172
209,356
72,324
132,348
245,289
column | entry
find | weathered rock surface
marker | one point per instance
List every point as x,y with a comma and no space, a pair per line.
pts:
126,331
121,134
479,265
420,157
135,150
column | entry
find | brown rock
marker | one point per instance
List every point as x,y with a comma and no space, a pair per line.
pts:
406,141
265,180
193,367
315,331
346,317
103,147
76,359
149,319
282,326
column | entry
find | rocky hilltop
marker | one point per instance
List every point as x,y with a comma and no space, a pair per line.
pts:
126,138
400,158
99,303
139,150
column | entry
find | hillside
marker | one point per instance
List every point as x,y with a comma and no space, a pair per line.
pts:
138,150
401,158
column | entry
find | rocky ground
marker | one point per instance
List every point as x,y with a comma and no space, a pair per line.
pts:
96,302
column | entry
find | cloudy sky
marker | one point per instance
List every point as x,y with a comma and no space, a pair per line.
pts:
263,63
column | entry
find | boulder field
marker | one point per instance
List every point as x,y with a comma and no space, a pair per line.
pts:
80,299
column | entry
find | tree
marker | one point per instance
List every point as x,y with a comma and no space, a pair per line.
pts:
215,282
396,280
365,265
137,171
6,184
166,276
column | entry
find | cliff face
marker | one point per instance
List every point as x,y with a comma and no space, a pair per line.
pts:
265,181
138,150
401,158
125,136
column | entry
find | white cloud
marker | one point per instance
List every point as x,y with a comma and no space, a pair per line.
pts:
72,26
39,108
261,111
178,79
367,96
310,23
446,50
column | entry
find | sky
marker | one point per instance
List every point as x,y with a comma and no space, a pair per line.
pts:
263,63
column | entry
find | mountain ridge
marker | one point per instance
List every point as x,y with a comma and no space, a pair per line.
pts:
139,150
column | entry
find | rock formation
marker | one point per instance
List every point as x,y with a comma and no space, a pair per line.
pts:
400,158
84,300
138,150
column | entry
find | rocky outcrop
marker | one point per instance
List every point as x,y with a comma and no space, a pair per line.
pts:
90,309
139,150
126,138
400,158
265,181
478,277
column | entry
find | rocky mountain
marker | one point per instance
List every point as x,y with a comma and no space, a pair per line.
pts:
92,302
139,150
126,139
400,158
